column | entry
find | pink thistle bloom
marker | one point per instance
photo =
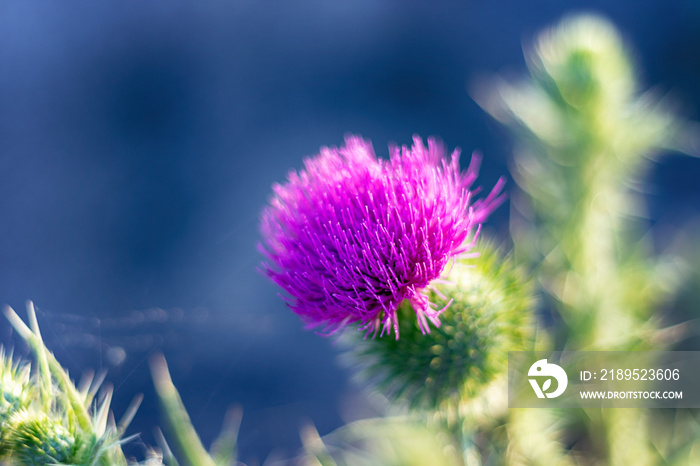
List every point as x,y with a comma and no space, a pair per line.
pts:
350,237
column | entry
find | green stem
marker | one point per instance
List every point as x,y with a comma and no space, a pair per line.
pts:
180,424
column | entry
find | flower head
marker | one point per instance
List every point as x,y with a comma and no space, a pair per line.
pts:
351,237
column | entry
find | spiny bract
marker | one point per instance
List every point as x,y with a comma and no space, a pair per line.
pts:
491,314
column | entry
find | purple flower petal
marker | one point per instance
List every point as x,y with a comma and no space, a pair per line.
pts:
351,236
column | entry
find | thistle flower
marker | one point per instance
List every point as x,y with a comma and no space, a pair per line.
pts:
351,237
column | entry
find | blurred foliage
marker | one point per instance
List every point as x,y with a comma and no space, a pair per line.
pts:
584,138
46,420
391,441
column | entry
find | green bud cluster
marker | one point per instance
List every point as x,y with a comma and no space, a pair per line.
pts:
490,314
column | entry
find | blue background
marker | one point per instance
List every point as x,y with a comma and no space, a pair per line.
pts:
139,141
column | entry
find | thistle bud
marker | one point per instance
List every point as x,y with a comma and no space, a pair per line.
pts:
489,315
36,439
582,63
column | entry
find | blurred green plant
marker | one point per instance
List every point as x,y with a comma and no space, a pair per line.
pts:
46,420
584,137
389,441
